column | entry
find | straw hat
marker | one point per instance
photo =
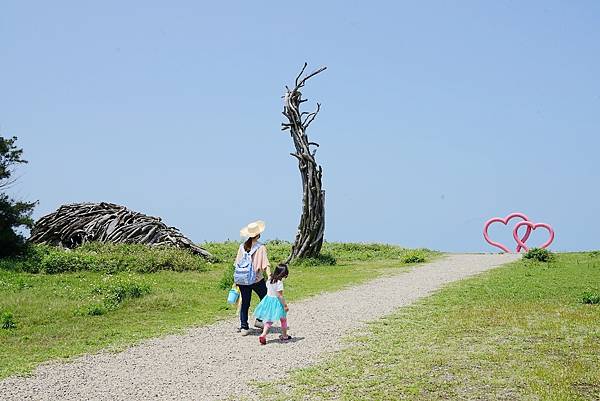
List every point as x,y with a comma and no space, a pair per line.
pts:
253,229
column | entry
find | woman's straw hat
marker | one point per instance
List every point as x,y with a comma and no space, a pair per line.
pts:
253,229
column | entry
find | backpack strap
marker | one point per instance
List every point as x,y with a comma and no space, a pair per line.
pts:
255,248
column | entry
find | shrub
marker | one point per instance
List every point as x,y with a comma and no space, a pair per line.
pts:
93,310
6,321
591,298
414,256
109,258
60,262
113,295
324,259
538,254
226,281
359,251
279,250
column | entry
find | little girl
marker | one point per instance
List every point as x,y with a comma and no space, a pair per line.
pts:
273,307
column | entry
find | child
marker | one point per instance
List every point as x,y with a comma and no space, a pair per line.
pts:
273,306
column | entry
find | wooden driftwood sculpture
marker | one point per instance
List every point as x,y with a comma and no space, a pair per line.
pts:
74,224
309,238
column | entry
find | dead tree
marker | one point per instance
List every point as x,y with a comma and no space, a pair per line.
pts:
309,237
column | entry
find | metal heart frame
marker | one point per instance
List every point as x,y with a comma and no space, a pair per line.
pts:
533,226
505,222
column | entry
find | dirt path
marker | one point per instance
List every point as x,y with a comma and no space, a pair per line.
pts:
215,362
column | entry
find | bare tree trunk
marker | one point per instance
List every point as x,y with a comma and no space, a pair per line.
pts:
309,237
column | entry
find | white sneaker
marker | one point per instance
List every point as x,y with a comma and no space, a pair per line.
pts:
258,324
244,332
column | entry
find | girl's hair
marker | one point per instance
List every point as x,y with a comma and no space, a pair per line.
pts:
248,243
281,272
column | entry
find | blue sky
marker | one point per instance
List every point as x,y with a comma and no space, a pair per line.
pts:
435,115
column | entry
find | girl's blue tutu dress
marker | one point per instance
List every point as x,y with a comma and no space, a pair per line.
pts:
270,308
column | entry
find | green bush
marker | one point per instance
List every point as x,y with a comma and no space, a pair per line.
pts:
362,252
116,293
60,262
110,258
279,250
226,281
414,256
324,259
112,295
6,321
93,310
538,254
591,298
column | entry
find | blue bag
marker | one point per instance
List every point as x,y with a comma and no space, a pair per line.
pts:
233,296
244,273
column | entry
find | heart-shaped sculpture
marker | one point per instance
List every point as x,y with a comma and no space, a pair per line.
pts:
505,222
532,226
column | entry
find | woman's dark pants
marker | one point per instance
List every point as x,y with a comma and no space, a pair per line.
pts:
260,288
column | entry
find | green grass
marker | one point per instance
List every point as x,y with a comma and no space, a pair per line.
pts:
108,258
110,302
520,332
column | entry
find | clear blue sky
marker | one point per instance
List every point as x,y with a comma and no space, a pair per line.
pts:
436,115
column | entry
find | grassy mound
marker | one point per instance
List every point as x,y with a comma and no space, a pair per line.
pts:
108,258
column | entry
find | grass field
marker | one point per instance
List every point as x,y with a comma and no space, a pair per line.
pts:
99,297
526,331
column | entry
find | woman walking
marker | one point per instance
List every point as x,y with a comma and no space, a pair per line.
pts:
251,263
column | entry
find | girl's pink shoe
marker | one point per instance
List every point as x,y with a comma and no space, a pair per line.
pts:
262,340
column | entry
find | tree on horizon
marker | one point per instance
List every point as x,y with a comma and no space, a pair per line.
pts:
13,214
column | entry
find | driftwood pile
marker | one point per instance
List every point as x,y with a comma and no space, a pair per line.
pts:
78,223
309,237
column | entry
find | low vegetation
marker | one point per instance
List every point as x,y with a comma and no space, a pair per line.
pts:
513,333
591,298
108,297
539,255
56,303
107,258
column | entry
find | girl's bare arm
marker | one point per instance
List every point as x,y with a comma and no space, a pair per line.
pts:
282,300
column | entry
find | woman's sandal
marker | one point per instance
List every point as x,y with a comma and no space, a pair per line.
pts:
262,340
285,339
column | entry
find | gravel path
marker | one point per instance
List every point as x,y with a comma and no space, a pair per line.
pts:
213,362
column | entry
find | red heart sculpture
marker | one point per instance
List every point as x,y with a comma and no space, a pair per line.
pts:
505,222
532,226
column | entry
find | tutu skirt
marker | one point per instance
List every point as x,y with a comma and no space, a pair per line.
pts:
269,309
